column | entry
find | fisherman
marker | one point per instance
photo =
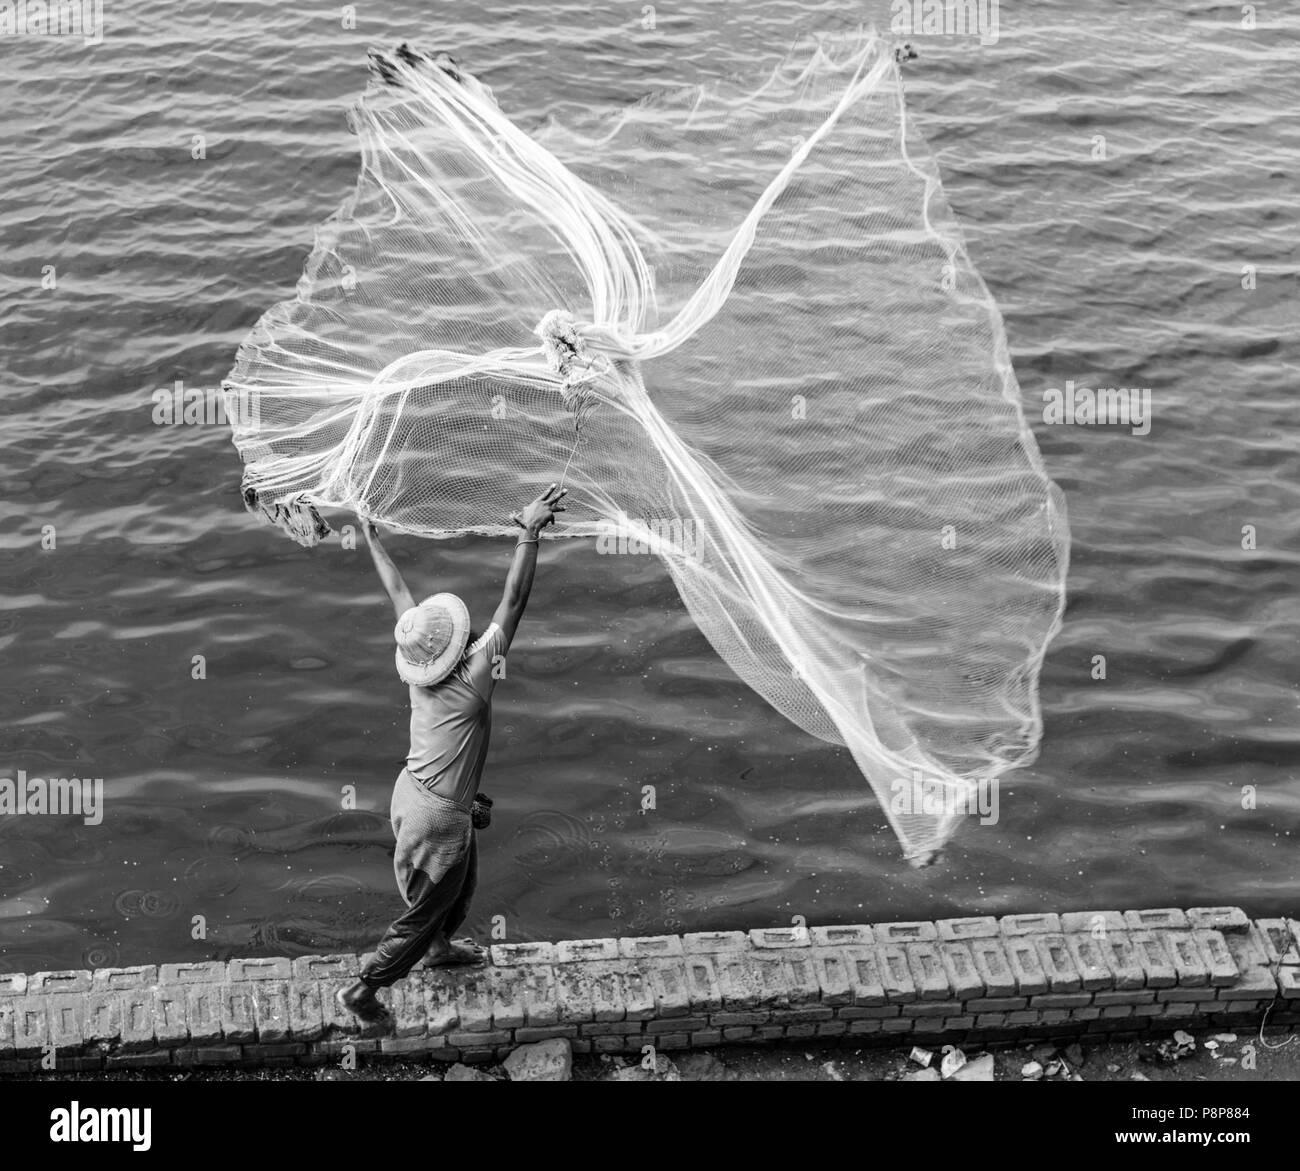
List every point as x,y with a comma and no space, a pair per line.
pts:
436,804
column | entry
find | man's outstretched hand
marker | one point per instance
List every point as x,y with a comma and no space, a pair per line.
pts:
519,581
541,512
389,574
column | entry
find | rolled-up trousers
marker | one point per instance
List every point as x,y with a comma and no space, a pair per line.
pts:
436,867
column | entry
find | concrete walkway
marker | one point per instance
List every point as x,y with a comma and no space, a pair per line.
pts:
969,982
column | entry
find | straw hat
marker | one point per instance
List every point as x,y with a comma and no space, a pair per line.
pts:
431,638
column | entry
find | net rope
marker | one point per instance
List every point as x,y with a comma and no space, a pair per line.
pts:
742,319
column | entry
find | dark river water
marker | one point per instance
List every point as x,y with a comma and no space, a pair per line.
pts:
1127,177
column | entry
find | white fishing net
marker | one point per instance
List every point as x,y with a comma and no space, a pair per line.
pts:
743,325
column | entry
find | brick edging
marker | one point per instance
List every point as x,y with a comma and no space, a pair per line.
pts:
977,981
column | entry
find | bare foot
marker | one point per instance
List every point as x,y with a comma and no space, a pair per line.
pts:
360,1000
457,952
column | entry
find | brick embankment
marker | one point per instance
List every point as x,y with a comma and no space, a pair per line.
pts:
974,982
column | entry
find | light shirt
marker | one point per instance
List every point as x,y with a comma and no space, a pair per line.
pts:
452,720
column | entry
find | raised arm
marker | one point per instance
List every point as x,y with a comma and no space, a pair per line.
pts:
519,581
388,573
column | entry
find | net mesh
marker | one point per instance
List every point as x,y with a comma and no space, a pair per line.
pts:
742,318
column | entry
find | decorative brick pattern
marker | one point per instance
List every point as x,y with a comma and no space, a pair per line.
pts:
709,942
506,954
777,937
575,951
1218,918
860,936
1030,924
650,946
1165,917
977,980
985,927
1094,923
904,932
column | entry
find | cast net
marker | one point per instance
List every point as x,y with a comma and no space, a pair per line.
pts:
742,323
